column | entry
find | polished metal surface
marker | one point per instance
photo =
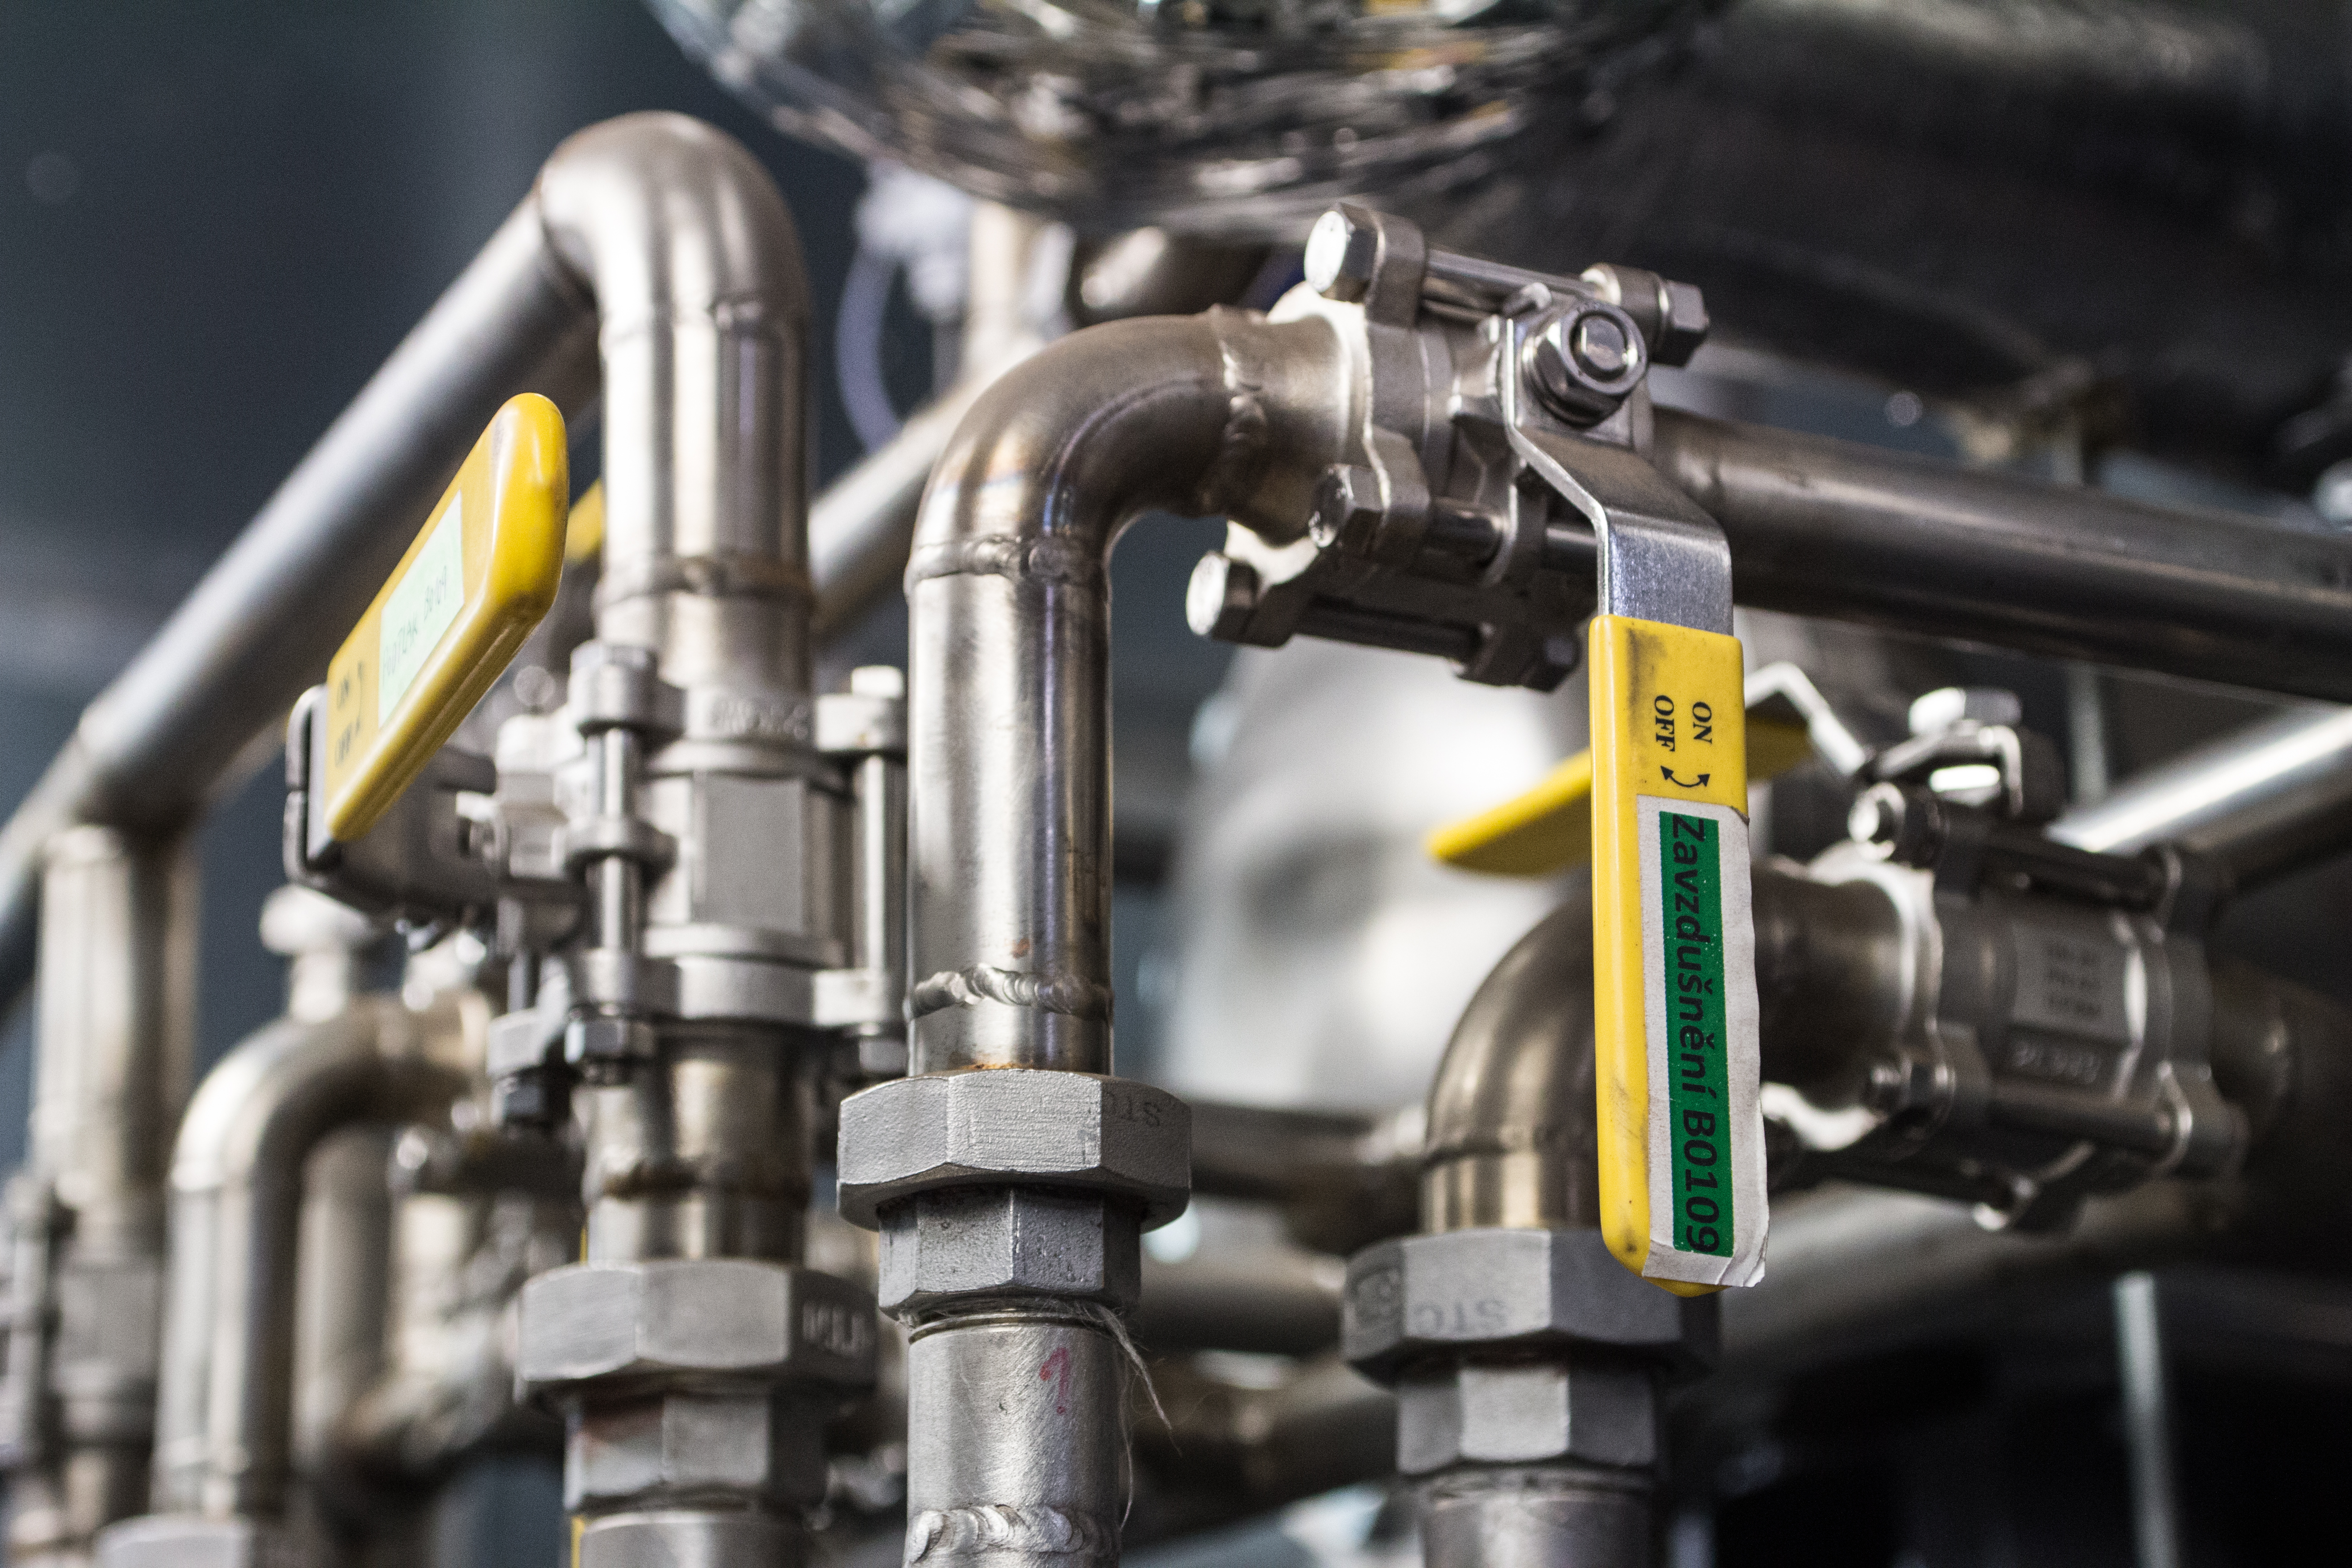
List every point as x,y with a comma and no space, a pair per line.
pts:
1569,1516
114,1035
1068,109
1511,1139
1822,527
1010,648
2264,800
1026,1126
1340,1180
183,721
2148,1420
1035,1473
225,1428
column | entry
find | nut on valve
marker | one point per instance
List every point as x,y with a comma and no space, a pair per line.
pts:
1585,360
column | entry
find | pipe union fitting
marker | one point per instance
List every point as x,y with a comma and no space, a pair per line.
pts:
1524,1413
1015,1126
191,1541
747,1445
1008,1241
646,1325
1422,1297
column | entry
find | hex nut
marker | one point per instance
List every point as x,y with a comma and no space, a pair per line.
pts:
1008,1241
1347,508
690,1320
684,1444
1571,378
601,1038
1524,1413
191,1541
1684,326
617,686
1425,1298
1018,1126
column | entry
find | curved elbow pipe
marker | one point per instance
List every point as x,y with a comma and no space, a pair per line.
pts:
1510,1139
225,1422
1008,595
668,240
1511,1135
680,238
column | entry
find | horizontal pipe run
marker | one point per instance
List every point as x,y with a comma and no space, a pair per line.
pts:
1827,528
2262,799
200,706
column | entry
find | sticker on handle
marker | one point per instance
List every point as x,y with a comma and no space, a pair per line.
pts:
478,576
1682,1141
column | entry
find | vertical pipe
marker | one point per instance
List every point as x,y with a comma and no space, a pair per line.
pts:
115,1040
2148,1420
1009,844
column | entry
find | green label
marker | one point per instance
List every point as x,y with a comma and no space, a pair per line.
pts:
419,609
1690,865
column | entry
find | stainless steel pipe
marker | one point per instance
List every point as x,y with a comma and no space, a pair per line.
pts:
225,1432
115,1034
1009,830
1529,1455
1826,528
204,702
2264,800
1010,606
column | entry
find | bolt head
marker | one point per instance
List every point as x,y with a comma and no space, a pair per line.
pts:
1584,361
1603,348
1341,253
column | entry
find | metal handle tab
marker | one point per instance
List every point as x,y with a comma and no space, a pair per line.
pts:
1674,947
478,576
1680,1139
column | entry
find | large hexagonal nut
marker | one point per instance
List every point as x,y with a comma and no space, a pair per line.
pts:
1461,1293
1585,1406
191,1540
674,1445
975,1242
694,1322
1015,1127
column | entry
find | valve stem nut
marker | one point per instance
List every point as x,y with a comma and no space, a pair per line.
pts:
1584,361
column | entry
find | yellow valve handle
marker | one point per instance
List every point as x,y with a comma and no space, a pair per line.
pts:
476,578
1675,1011
1549,828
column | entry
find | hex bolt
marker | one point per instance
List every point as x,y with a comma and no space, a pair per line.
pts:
1584,361
1341,253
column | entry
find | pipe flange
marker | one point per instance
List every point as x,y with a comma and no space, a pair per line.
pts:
1015,1127
1465,1292
693,1323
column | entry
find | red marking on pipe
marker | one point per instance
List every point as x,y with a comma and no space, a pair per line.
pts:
1056,1370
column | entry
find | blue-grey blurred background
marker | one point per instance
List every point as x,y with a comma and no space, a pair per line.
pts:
215,223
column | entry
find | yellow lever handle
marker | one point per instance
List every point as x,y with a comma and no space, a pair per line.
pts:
478,576
1548,828
1674,1012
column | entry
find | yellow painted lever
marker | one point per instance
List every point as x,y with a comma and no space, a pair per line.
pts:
1549,828
478,576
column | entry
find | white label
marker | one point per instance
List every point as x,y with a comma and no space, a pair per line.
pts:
421,608
1707,1201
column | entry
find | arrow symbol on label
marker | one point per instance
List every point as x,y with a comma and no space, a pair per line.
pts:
1699,783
